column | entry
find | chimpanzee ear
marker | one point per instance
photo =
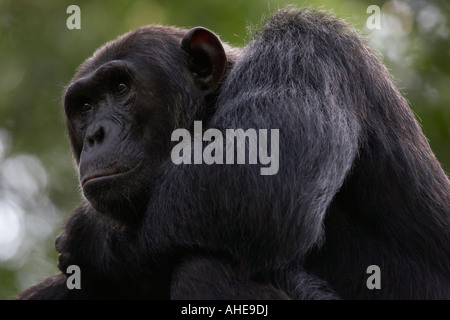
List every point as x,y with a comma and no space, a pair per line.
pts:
206,58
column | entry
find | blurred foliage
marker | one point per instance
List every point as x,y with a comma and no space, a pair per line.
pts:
39,54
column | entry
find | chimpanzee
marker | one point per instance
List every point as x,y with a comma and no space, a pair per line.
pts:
357,185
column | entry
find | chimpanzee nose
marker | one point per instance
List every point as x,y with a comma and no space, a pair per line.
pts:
95,134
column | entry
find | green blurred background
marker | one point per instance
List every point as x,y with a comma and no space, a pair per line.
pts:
39,54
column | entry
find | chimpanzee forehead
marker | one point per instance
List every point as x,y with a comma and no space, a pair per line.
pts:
150,45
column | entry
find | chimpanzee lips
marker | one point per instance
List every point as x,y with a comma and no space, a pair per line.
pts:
112,173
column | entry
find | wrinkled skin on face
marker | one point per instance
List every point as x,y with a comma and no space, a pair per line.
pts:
106,111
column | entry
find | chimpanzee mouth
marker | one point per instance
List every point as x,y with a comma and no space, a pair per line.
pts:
113,173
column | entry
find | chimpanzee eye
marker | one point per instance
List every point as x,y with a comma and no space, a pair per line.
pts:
121,88
86,107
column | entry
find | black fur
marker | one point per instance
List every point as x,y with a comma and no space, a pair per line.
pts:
357,185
